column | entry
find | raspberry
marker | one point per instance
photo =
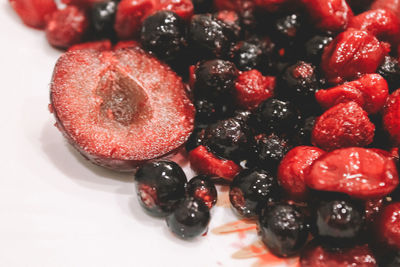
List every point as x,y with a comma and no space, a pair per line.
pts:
252,88
380,22
359,172
34,12
391,116
351,54
104,45
329,15
293,168
204,162
370,92
388,225
343,125
66,27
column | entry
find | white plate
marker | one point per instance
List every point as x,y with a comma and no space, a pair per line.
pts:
57,209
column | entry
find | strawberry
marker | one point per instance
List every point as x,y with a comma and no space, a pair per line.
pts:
81,3
34,12
391,116
126,44
120,108
103,45
359,172
343,125
205,162
370,92
392,5
388,226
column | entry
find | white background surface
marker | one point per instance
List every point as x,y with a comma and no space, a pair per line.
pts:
56,209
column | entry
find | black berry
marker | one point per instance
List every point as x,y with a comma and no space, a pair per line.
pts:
103,17
390,70
247,56
288,28
160,186
189,219
315,46
251,190
202,188
283,229
206,111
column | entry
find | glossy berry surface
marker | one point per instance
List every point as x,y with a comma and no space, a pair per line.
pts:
339,222
160,186
103,17
391,116
283,229
388,226
288,28
189,219
247,55
390,71
314,47
251,190
202,188
163,33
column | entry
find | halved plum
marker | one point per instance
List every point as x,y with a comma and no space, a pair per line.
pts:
120,108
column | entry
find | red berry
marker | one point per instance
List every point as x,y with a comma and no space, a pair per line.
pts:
81,3
205,162
293,168
392,5
130,15
67,27
103,45
271,5
120,108
351,54
317,256
252,88
391,116
359,172
329,15
34,12
388,225
183,8
380,22
343,125
370,92
126,44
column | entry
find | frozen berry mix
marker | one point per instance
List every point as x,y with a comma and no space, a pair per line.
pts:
291,106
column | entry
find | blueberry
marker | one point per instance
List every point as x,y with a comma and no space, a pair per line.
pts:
189,219
390,70
283,229
103,17
251,190
231,20
202,188
247,56
339,222
214,79
160,186
211,36
164,33
315,46
288,28
275,116
206,111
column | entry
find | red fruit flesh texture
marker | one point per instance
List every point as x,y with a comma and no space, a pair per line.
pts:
351,54
359,172
370,92
205,162
393,5
183,8
388,226
382,23
344,125
66,27
329,15
316,256
121,108
391,116
34,13
130,15
252,88
104,45
293,168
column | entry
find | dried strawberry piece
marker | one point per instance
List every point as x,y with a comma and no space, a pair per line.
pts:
120,108
388,225
391,116
126,44
67,27
103,45
382,23
351,54
343,125
370,92
315,255
252,88
130,15
392,5
329,15
205,162
293,168
183,8
34,12
359,172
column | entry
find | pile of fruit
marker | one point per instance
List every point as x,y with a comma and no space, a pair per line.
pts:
293,104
